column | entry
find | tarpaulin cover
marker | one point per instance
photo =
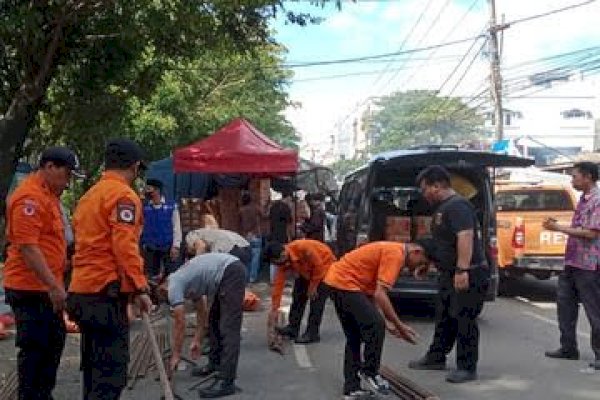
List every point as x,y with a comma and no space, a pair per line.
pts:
238,147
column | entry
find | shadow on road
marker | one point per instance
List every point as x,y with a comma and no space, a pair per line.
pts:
529,288
414,310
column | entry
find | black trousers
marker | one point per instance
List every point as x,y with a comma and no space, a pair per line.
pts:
457,319
244,254
225,321
104,344
576,285
40,338
155,260
362,324
317,306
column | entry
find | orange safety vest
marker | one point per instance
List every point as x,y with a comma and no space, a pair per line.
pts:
33,217
107,225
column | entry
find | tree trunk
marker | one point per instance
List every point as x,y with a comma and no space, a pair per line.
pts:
21,115
14,127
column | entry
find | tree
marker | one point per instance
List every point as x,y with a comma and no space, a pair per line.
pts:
92,46
189,101
343,167
410,118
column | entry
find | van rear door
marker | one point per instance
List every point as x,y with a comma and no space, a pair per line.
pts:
449,158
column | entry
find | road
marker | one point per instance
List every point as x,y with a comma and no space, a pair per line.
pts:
515,332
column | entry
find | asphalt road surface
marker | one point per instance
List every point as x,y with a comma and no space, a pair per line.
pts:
515,332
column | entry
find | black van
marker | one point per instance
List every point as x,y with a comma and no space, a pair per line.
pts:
380,201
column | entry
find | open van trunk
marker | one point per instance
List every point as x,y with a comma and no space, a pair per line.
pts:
380,201
400,213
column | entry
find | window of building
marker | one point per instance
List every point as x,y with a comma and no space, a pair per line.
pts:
576,113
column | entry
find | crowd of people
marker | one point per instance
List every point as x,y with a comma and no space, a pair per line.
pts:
125,245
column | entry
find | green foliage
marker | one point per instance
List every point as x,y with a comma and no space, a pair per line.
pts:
405,119
343,167
164,72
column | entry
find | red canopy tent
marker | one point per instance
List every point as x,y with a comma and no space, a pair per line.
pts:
236,148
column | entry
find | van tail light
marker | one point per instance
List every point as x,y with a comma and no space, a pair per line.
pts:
518,240
493,250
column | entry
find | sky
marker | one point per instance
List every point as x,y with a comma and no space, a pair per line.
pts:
365,28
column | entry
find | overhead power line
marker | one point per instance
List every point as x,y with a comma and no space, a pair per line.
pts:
406,39
547,13
422,39
383,55
360,73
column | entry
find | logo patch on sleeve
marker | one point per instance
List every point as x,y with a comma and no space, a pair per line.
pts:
29,208
126,212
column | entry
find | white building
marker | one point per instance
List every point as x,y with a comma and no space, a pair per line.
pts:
555,121
353,135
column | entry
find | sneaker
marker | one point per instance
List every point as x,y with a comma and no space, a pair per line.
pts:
375,383
359,395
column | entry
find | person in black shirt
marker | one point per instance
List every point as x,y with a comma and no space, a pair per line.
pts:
463,281
314,227
280,216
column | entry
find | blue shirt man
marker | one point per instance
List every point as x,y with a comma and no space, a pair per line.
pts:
161,237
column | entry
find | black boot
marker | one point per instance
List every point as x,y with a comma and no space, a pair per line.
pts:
461,376
307,339
286,331
564,354
204,370
427,363
221,388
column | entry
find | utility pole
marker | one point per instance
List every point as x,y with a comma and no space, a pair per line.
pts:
495,75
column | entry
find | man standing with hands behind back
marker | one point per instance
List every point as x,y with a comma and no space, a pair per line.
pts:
161,236
463,281
108,271
34,270
580,280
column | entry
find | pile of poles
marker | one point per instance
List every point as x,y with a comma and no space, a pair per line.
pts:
404,388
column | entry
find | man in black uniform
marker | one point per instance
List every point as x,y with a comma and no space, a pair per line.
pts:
463,281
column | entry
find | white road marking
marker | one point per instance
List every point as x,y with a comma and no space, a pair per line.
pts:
537,304
544,306
552,322
522,299
302,357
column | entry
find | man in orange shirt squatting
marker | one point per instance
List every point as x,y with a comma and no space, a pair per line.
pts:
359,282
108,271
34,269
310,260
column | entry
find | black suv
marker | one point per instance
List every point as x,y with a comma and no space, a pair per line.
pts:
380,201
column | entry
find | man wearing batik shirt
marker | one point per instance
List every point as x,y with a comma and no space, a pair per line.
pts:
580,280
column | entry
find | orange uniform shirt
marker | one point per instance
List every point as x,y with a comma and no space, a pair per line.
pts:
107,225
361,269
33,217
309,258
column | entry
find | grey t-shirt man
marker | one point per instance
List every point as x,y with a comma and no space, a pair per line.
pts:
218,240
201,276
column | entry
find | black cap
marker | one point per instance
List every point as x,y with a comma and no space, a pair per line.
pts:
123,153
154,182
273,251
62,155
429,247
